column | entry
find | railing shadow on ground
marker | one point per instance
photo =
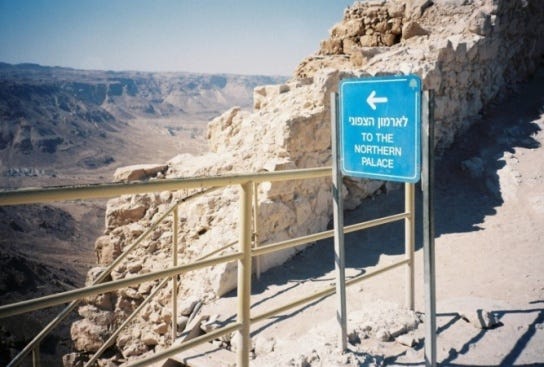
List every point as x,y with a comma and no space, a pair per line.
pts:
463,198
509,358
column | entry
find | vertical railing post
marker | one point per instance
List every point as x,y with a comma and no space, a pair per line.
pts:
256,228
427,186
409,242
244,275
175,277
338,217
36,356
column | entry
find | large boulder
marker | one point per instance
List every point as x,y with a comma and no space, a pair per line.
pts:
139,172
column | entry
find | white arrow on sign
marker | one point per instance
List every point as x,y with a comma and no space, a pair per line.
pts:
372,100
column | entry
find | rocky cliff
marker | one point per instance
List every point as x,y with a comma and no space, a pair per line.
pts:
470,52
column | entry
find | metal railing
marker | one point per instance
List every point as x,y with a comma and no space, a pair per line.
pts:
247,250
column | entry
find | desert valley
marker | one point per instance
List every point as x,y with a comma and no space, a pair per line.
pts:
484,62
70,127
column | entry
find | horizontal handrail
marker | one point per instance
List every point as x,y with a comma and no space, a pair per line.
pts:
376,222
41,195
60,298
266,249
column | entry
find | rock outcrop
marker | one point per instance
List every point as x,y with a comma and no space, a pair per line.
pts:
139,172
469,53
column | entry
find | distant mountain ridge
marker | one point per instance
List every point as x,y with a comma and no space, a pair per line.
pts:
47,112
152,92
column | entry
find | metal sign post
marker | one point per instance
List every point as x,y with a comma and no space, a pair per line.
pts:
378,136
338,213
427,184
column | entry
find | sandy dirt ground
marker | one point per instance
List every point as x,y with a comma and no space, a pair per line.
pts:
489,247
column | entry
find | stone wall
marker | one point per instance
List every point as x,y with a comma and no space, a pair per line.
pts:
469,52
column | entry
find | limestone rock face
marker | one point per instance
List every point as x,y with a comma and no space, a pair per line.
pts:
125,210
413,29
470,52
416,8
90,332
464,50
138,172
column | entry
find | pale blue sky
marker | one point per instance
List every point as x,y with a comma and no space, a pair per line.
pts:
210,36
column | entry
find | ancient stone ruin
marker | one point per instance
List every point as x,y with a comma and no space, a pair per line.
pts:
469,52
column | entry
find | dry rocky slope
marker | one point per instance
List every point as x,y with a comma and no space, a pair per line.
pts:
470,52
59,124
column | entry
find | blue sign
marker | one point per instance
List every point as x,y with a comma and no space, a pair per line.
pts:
380,123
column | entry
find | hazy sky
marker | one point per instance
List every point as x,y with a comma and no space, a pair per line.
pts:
211,36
